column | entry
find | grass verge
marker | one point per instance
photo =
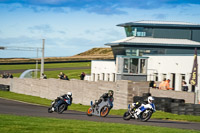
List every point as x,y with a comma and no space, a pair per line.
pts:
83,108
25,124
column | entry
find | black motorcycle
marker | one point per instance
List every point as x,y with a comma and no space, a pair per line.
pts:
60,104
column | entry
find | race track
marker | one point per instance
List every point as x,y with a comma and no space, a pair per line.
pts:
25,109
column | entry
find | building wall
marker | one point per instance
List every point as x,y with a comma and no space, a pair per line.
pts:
103,70
169,66
175,68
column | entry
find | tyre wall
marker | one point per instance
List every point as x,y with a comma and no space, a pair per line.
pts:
171,105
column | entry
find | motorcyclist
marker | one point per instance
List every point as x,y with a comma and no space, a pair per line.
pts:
140,106
67,96
105,97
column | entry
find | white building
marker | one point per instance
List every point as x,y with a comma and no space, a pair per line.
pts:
152,51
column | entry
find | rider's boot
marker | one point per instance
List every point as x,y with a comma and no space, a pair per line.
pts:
137,113
136,116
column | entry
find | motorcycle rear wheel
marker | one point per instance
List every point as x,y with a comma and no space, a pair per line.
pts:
61,108
104,111
127,116
89,111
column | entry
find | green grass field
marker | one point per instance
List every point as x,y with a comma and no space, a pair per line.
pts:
51,65
72,74
83,108
25,124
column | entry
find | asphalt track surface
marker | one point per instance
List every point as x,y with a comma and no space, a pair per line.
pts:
46,69
26,109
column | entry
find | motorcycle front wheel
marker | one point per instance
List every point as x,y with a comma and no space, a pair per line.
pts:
89,111
104,111
61,108
127,116
146,115
50,110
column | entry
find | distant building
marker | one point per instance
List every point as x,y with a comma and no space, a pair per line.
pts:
152,50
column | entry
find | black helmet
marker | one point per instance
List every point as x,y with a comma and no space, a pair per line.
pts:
110,93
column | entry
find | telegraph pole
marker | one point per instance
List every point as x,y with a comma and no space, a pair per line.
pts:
36,64
42,59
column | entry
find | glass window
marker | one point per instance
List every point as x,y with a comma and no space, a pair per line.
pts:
133,65
138,31
128,52
141,52
128,31
143,66
125,66
134,52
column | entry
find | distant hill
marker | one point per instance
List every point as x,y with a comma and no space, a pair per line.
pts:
92,54
97,52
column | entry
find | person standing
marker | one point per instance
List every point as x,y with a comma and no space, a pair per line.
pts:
184,86
164,85
167,85
161,85
82,76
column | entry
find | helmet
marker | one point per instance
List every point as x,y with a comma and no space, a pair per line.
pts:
110,93
150,99
69,93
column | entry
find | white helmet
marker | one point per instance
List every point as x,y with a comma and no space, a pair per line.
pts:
69,93
150,99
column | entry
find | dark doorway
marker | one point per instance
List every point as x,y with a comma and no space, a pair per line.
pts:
173,80
193,88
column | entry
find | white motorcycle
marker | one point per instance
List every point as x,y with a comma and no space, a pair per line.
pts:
145,112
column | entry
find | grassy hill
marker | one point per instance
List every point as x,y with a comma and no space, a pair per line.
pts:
92,54
97,52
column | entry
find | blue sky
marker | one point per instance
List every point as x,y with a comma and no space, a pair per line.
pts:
70,27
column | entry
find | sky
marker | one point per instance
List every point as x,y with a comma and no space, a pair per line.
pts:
70,27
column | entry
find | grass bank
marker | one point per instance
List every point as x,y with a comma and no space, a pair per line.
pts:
25,124
83,108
